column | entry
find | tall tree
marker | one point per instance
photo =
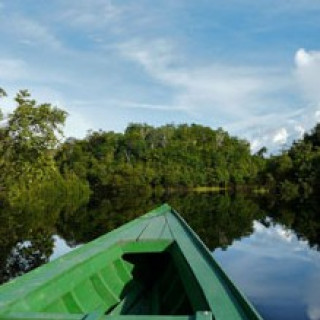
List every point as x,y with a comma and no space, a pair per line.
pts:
30,134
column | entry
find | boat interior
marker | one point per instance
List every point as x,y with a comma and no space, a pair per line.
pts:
147,279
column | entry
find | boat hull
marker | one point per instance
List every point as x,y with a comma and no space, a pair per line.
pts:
154,267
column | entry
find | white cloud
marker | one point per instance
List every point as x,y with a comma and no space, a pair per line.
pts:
60,248
156,57
314,312
256,144
300,130
237,96
249,101
308,74
232,92
271,137
282,127
77,124
302,58
281,136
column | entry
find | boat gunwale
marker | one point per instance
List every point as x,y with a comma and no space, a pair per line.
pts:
105,242
244,302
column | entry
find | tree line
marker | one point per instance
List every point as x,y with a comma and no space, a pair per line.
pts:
34,159
159,158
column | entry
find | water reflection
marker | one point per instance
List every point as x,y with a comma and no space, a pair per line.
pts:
218,219
60,248
27,255
26,233
279,272
265,246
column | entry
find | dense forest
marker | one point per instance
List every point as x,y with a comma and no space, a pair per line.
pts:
167,157
143,159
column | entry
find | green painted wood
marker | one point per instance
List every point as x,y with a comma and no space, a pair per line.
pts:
154,267
97,316
225,300
144,246
151,317
166,232
148,317
40,316
129,300
154,228
190,283
203,315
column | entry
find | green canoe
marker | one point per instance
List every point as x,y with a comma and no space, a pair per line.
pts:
154,267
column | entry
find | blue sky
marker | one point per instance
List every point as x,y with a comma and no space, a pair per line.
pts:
251,67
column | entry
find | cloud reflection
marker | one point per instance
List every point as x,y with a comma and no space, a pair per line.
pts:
277,271
60,248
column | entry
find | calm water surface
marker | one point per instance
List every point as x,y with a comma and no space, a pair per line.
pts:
269,250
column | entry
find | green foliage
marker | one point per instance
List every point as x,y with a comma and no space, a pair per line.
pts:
28,143
144,157
45,194
28,140
295,173
313,137
34,126
27,223
213,217
288,190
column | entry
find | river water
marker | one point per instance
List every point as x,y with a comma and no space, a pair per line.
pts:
270,250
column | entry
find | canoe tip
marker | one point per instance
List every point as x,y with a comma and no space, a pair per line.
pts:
162,209
166,206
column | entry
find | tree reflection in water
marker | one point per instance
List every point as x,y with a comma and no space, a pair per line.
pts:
26,233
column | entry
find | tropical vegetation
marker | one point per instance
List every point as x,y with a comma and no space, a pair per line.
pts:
34,159
29,137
